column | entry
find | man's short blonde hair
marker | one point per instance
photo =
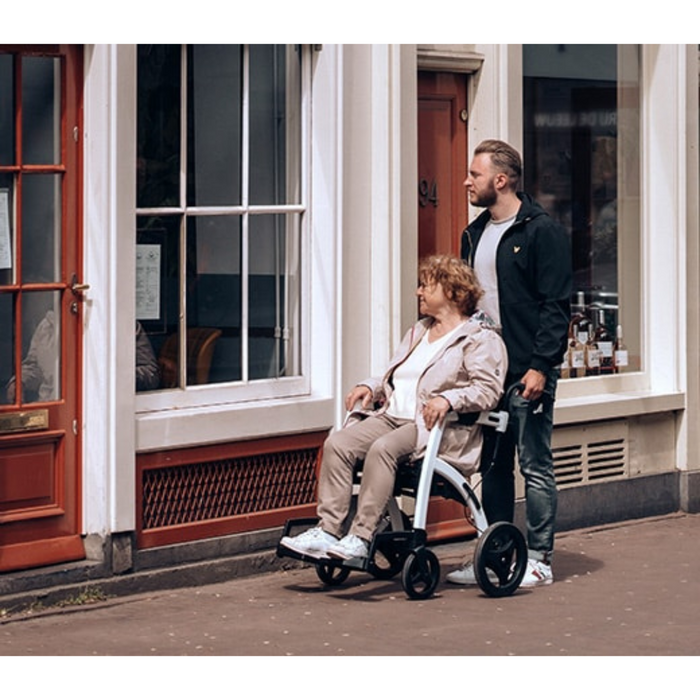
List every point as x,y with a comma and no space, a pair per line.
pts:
458,280
504,158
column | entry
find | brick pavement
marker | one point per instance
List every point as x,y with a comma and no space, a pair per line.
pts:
625,589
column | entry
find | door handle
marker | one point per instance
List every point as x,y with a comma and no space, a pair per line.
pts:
77,288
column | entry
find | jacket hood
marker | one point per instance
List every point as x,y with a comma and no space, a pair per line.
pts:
529,209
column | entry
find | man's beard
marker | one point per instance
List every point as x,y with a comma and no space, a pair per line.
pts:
487,198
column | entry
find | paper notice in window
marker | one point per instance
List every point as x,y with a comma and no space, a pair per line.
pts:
148,282
5,250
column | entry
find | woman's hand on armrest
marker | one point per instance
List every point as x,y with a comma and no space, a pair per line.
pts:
359,393
435,410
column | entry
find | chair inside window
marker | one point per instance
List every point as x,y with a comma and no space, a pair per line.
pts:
200,350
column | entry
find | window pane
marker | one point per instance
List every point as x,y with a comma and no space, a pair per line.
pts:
41,346
41,228
7,110
158,148
7,229
158,290
581,158
214,125
7,348
274,295
41,110
275,124
214,297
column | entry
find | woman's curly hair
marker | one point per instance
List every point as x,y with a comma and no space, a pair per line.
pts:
458,280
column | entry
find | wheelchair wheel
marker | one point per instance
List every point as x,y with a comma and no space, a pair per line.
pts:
331,574
500,560
421,574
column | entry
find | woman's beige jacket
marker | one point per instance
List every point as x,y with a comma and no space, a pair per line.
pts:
469,372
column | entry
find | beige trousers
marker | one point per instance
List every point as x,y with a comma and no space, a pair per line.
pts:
381,441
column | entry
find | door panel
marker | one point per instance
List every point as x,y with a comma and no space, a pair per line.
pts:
40,310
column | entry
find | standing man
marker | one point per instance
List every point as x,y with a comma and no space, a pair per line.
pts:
522,259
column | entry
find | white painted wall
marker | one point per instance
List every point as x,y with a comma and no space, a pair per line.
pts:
360,265
109,186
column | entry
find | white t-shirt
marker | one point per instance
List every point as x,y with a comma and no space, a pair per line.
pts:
402,403
485,265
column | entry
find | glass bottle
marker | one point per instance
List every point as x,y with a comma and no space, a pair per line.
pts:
592,357
577,354
564,368
621,356
605,342
580,319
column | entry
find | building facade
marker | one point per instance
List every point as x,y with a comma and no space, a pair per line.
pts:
257,214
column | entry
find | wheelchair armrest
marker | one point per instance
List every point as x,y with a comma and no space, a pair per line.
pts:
494,419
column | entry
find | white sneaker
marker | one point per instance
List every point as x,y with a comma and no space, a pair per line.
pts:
538,573
350,547
313,543
464,576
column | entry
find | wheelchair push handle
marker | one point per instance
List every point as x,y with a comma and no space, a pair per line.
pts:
516,388
498,419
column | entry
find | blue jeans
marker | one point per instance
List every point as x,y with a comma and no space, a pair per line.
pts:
530,431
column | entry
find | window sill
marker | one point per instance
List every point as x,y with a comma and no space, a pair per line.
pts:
598,407
185,427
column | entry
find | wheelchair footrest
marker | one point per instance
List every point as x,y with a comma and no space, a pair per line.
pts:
398,541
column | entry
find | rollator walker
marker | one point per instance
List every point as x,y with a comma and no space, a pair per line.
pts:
400,543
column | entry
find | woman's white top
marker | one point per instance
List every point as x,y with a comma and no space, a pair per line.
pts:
402,403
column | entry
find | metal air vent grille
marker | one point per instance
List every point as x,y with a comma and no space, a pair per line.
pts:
191,493
591,453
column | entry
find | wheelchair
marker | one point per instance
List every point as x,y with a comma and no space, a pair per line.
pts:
399,546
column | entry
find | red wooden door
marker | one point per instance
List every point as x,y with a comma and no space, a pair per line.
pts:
40,305
442,211
442,161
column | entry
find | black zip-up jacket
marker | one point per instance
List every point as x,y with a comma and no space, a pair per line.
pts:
533,264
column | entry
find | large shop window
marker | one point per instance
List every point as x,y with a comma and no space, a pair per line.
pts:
220,212
582,163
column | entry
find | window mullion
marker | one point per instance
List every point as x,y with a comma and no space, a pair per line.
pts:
182,321
245,187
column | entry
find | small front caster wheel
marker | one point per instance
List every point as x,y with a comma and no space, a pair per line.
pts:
331,574
421,574
500,559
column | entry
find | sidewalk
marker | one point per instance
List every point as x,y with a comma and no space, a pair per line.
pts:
625,589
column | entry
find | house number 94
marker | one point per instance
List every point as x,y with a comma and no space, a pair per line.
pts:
427,192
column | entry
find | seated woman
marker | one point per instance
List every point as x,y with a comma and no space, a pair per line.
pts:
452,359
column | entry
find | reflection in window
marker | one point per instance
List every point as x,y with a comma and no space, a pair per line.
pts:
581,158
41,110
7,110
7,346
214,113
158,145
41,228
40,370
219,211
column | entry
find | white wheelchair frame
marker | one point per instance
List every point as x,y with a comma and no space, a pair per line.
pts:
400,544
